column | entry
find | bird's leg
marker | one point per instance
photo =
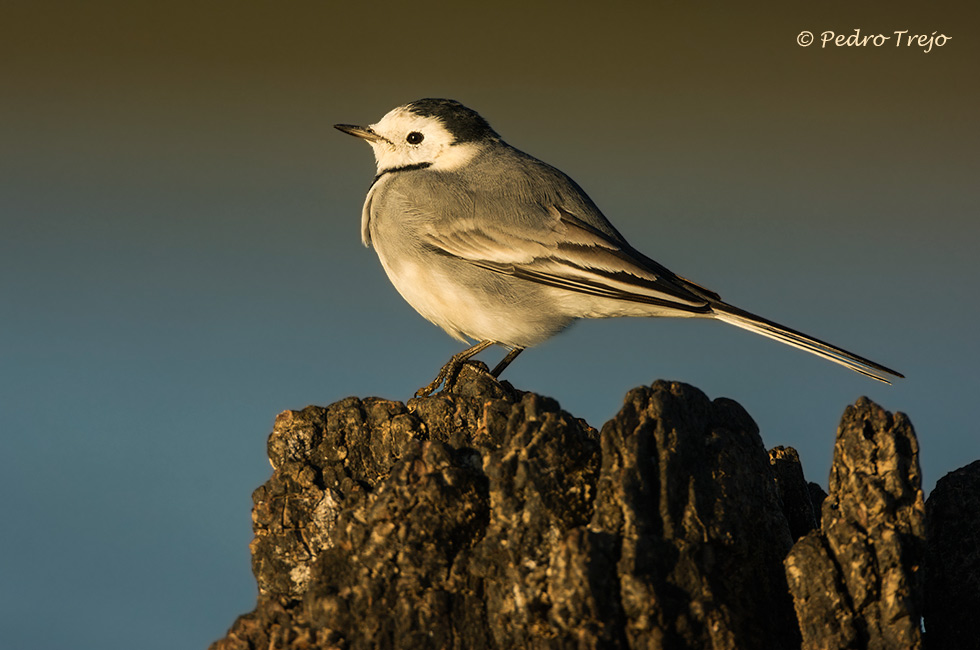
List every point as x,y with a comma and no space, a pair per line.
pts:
450,370
505,362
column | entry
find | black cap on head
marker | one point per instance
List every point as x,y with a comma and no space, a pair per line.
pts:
465,124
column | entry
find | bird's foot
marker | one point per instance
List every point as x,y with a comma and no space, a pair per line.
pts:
449,372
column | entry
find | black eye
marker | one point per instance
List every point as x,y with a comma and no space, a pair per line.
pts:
414,137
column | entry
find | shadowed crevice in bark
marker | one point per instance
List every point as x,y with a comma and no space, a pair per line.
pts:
494,519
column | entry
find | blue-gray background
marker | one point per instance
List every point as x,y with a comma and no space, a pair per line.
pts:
180,258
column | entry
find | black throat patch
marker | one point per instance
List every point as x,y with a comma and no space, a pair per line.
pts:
403,168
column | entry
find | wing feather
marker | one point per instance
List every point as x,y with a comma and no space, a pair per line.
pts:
568,253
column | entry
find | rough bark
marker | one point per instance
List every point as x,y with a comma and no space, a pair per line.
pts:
856,582
795,494
493,519
953,561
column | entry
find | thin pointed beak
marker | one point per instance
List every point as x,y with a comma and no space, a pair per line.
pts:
363,132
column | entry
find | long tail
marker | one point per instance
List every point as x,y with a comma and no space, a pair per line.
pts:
740,318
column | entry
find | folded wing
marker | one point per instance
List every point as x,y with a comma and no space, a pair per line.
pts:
570,254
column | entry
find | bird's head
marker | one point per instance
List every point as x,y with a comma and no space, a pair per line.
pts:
438,133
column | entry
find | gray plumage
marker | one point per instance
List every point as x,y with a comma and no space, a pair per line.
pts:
492,244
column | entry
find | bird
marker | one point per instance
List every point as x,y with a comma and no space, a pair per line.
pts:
498,247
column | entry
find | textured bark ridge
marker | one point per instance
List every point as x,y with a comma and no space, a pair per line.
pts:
857,581
953,561
493,519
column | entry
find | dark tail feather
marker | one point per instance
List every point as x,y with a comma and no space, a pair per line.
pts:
745,320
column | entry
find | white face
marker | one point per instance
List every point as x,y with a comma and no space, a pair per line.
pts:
410,139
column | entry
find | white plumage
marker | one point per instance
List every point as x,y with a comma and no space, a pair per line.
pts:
494,245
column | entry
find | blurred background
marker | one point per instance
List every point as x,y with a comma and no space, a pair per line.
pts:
180,256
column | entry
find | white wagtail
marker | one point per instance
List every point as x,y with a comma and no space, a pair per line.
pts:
494,245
